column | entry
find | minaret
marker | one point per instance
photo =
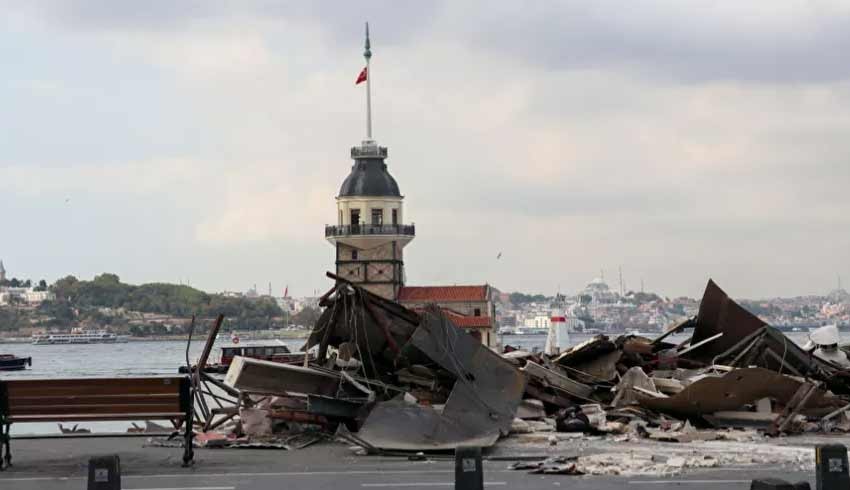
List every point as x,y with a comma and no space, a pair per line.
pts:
370,235
2,272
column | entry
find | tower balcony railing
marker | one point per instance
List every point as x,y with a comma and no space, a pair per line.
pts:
369,151
348,230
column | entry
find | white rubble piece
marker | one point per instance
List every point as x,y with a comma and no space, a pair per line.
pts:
831,353
633,378
519,426
826,335
658,459
255,422
825,341
531,409
595,415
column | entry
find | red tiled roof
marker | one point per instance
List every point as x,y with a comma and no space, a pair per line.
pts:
463,321
472,321
439,294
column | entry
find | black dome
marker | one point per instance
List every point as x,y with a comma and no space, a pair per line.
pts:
369,177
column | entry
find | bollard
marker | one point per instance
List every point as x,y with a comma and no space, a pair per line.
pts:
777,484
469,472
105,473
831,467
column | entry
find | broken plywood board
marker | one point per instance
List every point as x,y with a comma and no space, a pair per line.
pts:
257,376
734,390
549,377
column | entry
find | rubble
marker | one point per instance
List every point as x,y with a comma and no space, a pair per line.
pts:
386,378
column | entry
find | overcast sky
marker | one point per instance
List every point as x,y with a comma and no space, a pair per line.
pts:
205,140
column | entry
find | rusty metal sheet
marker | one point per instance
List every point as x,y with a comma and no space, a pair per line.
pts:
735,389
720,314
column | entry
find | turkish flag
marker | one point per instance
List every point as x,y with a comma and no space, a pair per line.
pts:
361,77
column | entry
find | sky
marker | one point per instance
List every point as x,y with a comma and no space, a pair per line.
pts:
204,141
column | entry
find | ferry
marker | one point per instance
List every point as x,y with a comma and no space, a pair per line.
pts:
78,336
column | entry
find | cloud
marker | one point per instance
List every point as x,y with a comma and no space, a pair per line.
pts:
571,137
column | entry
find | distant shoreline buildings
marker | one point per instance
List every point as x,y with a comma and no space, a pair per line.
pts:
21,295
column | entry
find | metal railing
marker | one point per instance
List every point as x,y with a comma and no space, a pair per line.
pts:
345,230
369,151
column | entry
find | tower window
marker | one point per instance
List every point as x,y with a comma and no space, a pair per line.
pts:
395,216
354,255
377,216
477,312
340,217
355,217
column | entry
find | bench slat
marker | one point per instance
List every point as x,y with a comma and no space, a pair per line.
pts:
94,399
94,418
90,389
94,409
150,381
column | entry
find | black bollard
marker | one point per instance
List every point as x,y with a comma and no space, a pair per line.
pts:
105,473
777,484
469,472
831,467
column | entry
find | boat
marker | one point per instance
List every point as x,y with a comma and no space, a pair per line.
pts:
9,362
276,352
78,336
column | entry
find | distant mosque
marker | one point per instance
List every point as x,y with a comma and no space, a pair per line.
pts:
371,234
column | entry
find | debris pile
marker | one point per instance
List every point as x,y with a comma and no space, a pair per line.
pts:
386,378
734,371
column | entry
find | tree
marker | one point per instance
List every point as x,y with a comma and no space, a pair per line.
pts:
307,317
42,286
520,298
66,288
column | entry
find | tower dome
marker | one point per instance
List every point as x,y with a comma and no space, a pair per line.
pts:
369,175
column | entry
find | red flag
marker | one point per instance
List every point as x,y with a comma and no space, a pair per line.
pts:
361,77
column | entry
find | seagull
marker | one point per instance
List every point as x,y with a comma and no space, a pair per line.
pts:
67,200
499,256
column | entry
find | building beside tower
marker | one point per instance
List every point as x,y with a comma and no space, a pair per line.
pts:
370,235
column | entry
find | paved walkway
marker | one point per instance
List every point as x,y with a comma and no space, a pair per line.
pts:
62,464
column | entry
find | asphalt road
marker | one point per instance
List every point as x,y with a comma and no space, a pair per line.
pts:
62,464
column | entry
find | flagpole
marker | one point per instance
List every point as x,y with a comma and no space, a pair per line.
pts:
368,55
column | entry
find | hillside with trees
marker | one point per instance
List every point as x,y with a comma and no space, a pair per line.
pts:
153,308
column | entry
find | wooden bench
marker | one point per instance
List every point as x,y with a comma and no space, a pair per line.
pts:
96,399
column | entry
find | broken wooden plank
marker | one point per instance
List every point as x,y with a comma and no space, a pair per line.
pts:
653,394
550,377
699,344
